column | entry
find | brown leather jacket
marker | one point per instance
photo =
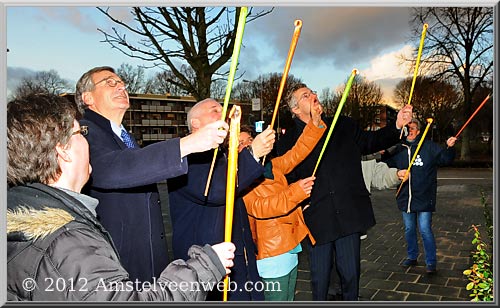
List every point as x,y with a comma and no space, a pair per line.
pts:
276,220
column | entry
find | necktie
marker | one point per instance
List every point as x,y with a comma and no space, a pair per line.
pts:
127,139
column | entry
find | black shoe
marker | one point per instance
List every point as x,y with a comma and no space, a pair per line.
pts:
431,268
334,297
409,262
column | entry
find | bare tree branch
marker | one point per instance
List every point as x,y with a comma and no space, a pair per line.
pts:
42,82
177,38
458,48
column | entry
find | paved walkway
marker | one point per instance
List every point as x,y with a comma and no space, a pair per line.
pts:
382,276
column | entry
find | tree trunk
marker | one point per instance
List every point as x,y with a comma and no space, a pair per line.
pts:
465,151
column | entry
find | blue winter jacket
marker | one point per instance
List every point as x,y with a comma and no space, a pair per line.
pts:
418,193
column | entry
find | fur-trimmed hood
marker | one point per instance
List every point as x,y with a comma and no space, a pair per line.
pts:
32,223
34,211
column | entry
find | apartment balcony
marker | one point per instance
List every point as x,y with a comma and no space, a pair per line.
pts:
155,108
150,122
157,137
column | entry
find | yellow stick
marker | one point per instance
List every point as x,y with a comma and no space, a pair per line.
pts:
335,118
291,51
232,71
232,166
415,72
407,173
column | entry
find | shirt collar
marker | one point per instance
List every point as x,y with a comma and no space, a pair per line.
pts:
117,129
89,202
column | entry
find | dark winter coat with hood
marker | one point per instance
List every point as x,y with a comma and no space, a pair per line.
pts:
58,251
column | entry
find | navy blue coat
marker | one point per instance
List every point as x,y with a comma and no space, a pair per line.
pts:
340,202
124,181
422,183
199,220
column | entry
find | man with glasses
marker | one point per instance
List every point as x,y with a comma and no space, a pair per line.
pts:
339,208
125,176
58,251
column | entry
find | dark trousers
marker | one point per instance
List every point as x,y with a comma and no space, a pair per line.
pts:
347,261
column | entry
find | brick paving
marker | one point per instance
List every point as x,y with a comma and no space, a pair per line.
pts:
382,276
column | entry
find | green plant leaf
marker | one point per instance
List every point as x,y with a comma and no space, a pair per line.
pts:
483,285
470,285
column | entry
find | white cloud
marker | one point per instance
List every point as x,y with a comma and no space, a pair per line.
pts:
78,17
389,65
387,70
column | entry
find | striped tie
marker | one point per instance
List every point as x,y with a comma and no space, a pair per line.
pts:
127,139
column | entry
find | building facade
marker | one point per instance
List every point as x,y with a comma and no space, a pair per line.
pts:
153,118
383,114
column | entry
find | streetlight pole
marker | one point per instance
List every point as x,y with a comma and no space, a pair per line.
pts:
261,104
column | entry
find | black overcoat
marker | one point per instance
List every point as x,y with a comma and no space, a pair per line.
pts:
340,203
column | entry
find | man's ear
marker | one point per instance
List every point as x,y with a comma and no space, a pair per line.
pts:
296,110
195,123
63,153
87,98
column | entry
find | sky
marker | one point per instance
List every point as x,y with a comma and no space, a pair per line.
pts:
333,41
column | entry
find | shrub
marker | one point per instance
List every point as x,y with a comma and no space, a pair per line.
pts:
480,274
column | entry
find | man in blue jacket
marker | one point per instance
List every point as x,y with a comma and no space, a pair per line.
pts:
417,198
124,176
199,219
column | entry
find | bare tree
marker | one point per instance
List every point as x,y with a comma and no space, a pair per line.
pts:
244,90
160,84
483,120
202,38
133,77
459,47
266,87
431,98
364,97
329,102
218,89
42,82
